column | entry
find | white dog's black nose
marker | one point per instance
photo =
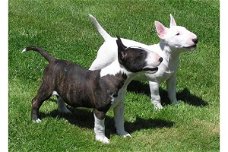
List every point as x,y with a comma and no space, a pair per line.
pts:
160,59
195,40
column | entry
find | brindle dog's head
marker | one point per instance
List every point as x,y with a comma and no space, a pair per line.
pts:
136,59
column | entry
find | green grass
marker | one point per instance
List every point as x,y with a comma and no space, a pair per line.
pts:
64,29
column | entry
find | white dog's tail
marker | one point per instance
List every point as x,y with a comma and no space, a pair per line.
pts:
100,29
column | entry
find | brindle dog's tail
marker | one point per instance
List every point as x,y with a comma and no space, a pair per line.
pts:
48,57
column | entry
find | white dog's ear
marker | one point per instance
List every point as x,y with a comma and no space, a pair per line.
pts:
161,29
172,21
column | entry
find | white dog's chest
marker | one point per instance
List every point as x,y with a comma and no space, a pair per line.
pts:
115,102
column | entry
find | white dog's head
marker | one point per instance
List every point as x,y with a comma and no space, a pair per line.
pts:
176,37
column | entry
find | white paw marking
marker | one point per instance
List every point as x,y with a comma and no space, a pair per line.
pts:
102,139
158,106
37,120
24,50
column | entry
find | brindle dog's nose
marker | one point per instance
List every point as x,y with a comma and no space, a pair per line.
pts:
160,59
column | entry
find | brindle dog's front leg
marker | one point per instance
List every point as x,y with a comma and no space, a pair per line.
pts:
99,127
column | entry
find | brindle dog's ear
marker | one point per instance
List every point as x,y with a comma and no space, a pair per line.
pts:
121,46
121,49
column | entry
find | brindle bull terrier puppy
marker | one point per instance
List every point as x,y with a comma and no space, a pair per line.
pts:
79,87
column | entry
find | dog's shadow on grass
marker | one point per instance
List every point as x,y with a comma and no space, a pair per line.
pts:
83,118
184,95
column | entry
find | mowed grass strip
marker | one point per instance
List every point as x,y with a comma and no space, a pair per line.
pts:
65,31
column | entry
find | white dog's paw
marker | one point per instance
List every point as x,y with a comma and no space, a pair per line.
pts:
37,121
124,134
102,139
127,135
175,102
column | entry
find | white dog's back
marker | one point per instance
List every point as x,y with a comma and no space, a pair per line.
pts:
173,40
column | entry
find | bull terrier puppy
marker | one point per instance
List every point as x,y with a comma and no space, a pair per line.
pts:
79,87
173,41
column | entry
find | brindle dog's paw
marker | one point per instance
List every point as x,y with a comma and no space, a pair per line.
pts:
102,139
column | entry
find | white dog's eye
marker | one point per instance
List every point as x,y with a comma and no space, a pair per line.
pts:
177,33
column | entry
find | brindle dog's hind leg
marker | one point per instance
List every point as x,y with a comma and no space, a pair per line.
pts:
44,93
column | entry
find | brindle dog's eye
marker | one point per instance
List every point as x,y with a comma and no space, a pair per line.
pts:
115,95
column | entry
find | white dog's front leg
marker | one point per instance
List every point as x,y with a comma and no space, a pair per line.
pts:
99,129
119,119
171,87
155,97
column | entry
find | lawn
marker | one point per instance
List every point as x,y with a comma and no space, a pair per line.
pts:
64,29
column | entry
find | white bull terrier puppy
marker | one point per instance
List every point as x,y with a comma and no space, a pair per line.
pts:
173,41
